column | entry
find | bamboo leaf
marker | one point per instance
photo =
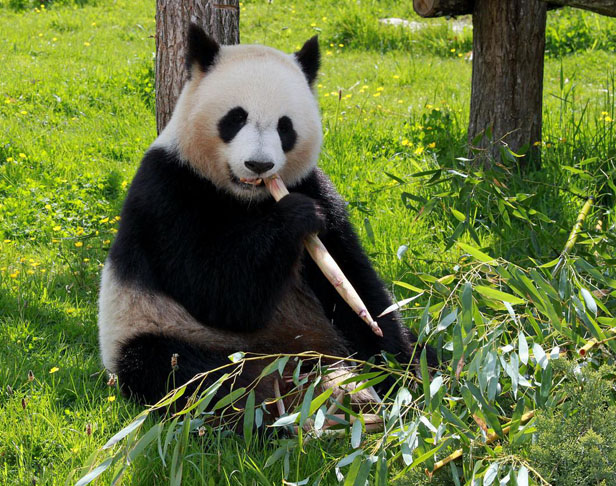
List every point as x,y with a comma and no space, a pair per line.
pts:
475,253
96,472
491,293
125,431
356,430
589,300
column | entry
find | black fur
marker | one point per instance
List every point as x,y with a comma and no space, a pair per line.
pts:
309,57
287,134
230,124
228,262
202,49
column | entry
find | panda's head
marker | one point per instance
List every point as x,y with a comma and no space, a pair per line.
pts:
247,112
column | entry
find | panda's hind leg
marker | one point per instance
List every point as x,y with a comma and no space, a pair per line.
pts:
150,365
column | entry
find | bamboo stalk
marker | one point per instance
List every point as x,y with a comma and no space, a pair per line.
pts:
327,264
577,227
489,440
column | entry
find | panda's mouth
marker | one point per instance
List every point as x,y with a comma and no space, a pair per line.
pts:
247,182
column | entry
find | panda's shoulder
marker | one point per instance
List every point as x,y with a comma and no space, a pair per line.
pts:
318,185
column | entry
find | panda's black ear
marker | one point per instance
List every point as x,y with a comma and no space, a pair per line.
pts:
309,58
202,49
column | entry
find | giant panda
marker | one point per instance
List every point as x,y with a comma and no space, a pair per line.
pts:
205,263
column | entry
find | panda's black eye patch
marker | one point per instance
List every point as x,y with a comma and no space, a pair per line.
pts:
231,123
287,134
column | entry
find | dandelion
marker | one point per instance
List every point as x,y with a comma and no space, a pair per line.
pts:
54,39
22,155
111,398
380,88
396,76
54,370
79,244
106,242
453,49
313,24
405,142
329,53
23,112
124,184
87,44
30,272
432,145
47,207
15,274
340,45
377,94
86,260
10,159
104,220
400,101
608,119
93,24
419,150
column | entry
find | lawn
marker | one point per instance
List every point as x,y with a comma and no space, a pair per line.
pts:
76,115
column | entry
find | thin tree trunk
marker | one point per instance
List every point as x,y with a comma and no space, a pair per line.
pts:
507,82
220,19
439,8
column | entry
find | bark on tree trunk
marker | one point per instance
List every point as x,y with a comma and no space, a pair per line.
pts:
605,7
220,19
507,81
438,8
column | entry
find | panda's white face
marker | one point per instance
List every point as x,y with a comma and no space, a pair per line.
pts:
251,115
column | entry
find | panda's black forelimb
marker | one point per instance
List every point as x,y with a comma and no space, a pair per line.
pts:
183,237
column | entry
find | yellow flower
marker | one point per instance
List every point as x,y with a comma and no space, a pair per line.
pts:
54,369
400,101
54,39
86,260
48,206
57,228
94,23
604,113
453,49
313,24
79,244
432,145
405,142
124,184
23,112
87,44
111,398
419,150
104,220
10,159
340,45
396,76
22,155
30,272
329,53
608,119
14,274
106,242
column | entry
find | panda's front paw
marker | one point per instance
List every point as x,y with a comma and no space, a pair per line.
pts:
302,213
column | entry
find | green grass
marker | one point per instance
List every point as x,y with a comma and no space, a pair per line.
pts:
77,113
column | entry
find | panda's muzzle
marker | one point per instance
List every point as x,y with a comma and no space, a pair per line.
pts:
258,167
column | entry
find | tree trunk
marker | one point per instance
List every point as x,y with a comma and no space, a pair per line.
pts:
219,19
507,81
605,7
438,8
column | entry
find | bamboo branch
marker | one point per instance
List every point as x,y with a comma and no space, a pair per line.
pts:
574,233
327,264
489,440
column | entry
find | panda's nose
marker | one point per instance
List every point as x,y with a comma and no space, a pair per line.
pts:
258,167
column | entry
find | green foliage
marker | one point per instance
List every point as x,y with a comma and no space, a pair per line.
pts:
576,445
572,30
77,113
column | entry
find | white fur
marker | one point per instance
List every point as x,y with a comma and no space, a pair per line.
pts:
268,84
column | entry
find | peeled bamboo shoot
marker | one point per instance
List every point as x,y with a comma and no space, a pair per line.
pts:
327,264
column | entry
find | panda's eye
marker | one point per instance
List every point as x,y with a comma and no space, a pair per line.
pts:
286,133
231,123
